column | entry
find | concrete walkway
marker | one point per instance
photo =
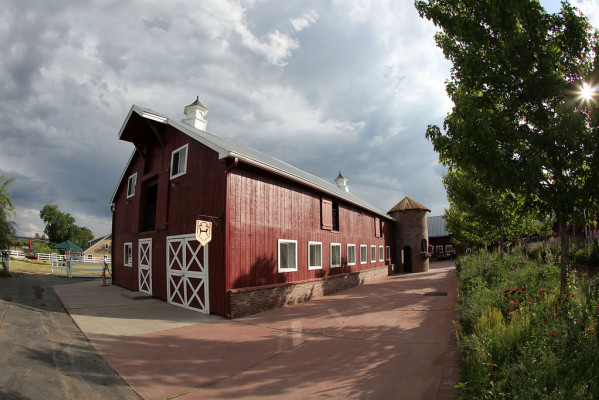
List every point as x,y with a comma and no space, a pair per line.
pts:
384,340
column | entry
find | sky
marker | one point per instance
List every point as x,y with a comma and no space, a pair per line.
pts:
327,86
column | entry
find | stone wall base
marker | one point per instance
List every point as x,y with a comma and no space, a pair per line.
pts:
256,299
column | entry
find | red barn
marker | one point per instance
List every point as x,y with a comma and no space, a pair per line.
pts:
278,234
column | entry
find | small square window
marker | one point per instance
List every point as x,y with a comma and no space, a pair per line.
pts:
373,254
381,253
287,255
131,182
439,249
335,255
363,254
314,255
128,254
448,248
388,253
351,254
90,256
179,162
106,245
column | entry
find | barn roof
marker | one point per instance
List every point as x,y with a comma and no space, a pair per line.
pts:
436,227
227,148
408,204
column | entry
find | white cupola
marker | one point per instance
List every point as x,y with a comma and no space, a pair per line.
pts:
195,114
341,182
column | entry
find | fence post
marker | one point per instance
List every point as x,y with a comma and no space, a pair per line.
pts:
69,272
104,274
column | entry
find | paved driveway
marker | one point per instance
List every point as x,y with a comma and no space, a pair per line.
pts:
384,340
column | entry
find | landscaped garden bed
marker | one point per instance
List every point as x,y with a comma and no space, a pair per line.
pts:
519,338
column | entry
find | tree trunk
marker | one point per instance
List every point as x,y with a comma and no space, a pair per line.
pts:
564,256
501,244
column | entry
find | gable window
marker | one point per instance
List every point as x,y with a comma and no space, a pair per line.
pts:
90,256
372,253
351,254
106,245
287,255
381,253
314,255
131,182
179,162
335,255
128,261
388,253
329,213
363,254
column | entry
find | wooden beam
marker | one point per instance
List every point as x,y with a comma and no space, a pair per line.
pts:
156,132
140,149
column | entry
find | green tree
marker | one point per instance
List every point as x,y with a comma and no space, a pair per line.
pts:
479,215
60,226
518,119
7,212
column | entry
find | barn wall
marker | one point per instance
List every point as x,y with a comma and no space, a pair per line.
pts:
180,201
263,208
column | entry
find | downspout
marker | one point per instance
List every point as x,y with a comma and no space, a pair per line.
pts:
228,171
112,209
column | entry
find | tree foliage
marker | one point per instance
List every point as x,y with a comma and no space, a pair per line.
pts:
479,215
518,119
7,212
60,226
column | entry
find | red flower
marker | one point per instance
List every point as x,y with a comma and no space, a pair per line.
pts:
543,291
506,290
569,295
552,334
591,330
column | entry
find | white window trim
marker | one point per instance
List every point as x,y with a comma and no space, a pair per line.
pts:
372,253
183,171
388,253
448,248
314,266
353,246
439,249
366,253
128,263
106,245
331,255
130,187
90,256
279,241
381,253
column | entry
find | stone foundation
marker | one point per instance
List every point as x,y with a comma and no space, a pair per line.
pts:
256,299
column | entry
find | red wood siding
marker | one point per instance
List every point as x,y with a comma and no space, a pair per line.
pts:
201,191
263,208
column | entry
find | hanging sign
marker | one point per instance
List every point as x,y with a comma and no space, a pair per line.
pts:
203,231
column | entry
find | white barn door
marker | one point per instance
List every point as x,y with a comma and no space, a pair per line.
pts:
187,273
144,265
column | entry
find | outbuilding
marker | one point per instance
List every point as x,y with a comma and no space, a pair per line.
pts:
217,227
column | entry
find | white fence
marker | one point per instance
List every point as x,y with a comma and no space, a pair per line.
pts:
60,257
77,269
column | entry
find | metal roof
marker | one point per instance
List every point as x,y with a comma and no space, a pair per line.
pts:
436,227
408,204
227,148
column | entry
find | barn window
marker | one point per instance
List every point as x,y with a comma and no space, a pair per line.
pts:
351,254
314,255
381,253
149,207
439,249
329,215
287,255
179,162
448,248
106,245
377,227
90,256
363,254
131,185
388,253
128,261
335,255
373,254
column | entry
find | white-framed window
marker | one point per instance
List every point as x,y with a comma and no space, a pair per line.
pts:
372,253
363,254
131,182
314,255
179,162
351,254
287,255
448,248
335,255
106,245
90,256
128,254
438,249
388,253
381,253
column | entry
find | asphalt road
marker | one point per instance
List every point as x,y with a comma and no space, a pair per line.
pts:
43,354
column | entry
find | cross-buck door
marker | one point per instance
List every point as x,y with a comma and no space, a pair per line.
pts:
144,265
187,273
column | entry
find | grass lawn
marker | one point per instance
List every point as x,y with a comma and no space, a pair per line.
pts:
44,267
